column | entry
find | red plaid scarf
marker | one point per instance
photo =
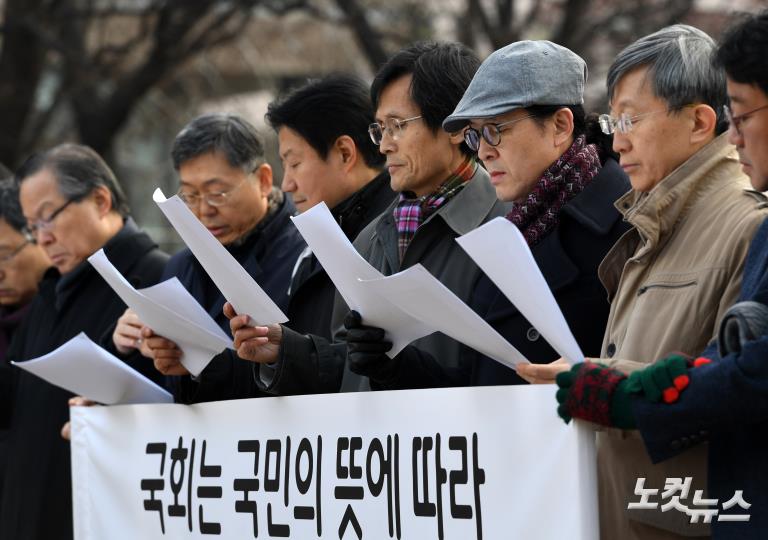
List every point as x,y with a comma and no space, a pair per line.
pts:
410,213
561,182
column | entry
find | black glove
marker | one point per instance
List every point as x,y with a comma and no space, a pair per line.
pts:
743,322
366,350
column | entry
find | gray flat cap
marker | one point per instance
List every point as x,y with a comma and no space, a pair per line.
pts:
519,75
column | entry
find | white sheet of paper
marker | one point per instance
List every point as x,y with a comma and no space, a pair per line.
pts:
237,286
500,250
83,368
347,268
171,312
422,296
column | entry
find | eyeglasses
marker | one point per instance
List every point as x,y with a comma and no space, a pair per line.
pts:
736,121
46,224
491,133
5,258
215,198
393,127
624,123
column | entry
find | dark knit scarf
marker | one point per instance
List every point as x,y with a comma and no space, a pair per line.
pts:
411,212
561,182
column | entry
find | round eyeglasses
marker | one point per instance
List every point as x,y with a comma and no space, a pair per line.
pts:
491,133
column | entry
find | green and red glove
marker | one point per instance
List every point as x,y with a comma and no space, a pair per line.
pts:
602,395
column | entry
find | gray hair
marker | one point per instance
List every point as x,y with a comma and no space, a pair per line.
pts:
679,59
231,135
78,171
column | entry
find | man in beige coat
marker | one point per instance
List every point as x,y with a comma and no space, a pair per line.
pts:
671,277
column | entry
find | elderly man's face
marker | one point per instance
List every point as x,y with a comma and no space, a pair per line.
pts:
659,142
206,177
751,139
69,232
22,264
418,159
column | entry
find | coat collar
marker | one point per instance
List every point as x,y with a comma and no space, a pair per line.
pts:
353,213
593,207
467,210
654,214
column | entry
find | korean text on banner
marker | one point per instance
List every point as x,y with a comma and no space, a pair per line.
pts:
492,463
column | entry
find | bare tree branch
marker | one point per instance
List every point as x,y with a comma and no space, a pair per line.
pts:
367,37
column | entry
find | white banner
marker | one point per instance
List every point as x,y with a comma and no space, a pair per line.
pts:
493,463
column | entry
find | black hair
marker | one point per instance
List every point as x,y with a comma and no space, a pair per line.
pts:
322,110
441,74
5,172
231,135
583,124
743,51
78,171
10,208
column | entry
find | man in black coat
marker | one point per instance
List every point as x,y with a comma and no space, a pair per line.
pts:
227,184
327,156
74,206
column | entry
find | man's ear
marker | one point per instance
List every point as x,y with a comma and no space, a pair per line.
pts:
457,137
103,199
347,151
563,122
264,175
704,120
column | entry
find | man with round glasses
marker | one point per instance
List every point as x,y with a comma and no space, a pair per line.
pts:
678,270
75,206
228,186
524,117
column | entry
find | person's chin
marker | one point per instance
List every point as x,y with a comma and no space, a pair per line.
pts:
303,205
65,266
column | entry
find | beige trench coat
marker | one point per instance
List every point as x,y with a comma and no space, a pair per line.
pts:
670,279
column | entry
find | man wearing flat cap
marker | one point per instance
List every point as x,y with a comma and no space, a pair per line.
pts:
523,114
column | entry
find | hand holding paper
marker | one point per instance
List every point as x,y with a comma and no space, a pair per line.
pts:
422,296
171,312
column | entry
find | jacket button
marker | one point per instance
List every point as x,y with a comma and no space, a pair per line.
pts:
532,334
611,350
675,445
685,442
704,434
694,438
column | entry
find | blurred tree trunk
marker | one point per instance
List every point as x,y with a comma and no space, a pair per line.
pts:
21,62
